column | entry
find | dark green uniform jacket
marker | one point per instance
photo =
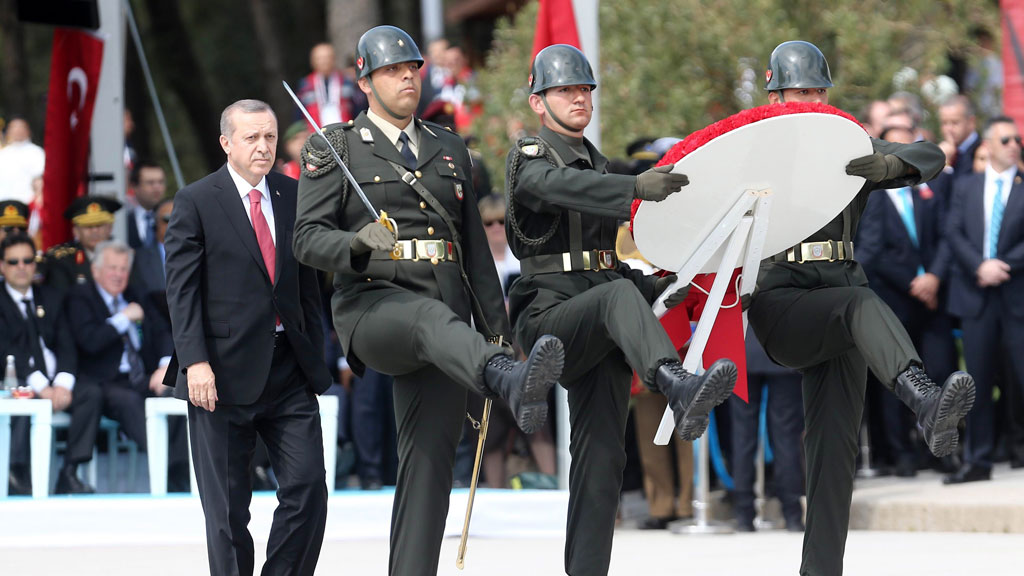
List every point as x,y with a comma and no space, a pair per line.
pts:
543,194
327,221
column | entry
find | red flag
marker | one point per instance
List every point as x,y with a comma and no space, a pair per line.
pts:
556,24
1013,59
74,81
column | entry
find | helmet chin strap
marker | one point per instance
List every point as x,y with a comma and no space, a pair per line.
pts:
382,104
544,99
782,97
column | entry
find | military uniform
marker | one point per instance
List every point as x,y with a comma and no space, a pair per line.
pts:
603,315
407,318
68,264
821,318
14,220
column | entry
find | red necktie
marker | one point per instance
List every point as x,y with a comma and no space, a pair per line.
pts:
263,237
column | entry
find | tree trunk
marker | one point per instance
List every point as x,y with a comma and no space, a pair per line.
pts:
346,22
273,66
14,79
173,59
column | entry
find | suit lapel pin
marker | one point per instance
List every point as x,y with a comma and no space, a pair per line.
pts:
40,312
366,135
277,192
1017,180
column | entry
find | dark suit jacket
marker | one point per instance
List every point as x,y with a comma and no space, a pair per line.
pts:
964,164
326,225
222,303
966,234
52,325
890,259
100,346
148,280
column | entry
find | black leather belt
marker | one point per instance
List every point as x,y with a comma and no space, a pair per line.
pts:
593,261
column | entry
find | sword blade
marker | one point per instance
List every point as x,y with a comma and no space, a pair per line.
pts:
334,153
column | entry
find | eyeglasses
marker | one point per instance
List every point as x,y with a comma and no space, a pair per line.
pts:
1006,140
491,222
15,261
165,218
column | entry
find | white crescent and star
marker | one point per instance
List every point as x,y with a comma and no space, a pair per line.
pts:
77,76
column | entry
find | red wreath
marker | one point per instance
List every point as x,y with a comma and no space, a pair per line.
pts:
727,334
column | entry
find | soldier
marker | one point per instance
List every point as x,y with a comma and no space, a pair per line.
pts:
562,218
13,217
92,221
813,311
405,296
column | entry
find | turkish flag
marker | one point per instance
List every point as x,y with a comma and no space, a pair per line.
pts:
74,81
556,24
1013,59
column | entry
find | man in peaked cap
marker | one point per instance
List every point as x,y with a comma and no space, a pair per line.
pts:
13,217
813,312
92,221
405,294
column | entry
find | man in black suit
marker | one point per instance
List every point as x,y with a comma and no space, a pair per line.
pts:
148,278
33,328
249,348
986,235
901,246
120,339
150,185
960,142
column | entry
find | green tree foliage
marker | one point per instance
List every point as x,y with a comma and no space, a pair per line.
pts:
669,68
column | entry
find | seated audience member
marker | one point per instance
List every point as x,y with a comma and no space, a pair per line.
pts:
34,329
121,341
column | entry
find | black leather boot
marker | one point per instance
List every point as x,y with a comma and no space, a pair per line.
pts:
692,397
938,410
524,385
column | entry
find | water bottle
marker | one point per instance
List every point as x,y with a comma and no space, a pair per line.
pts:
10,383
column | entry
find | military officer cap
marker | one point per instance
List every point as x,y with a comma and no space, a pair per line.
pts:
560,65
797,64
13,214
92,210
383,46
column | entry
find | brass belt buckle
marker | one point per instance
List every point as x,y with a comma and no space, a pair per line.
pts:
815,252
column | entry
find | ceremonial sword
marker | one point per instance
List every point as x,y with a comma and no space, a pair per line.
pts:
383,218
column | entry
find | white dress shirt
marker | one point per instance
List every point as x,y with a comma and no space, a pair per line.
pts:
392,132
40,377
121,323
990,196
141,225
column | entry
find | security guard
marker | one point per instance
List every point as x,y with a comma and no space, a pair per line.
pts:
92,221
563,214
405,296
813,311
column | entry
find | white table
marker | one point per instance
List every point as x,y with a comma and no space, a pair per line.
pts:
158,409
41,436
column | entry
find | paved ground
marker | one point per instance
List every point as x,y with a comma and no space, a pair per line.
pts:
635,553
